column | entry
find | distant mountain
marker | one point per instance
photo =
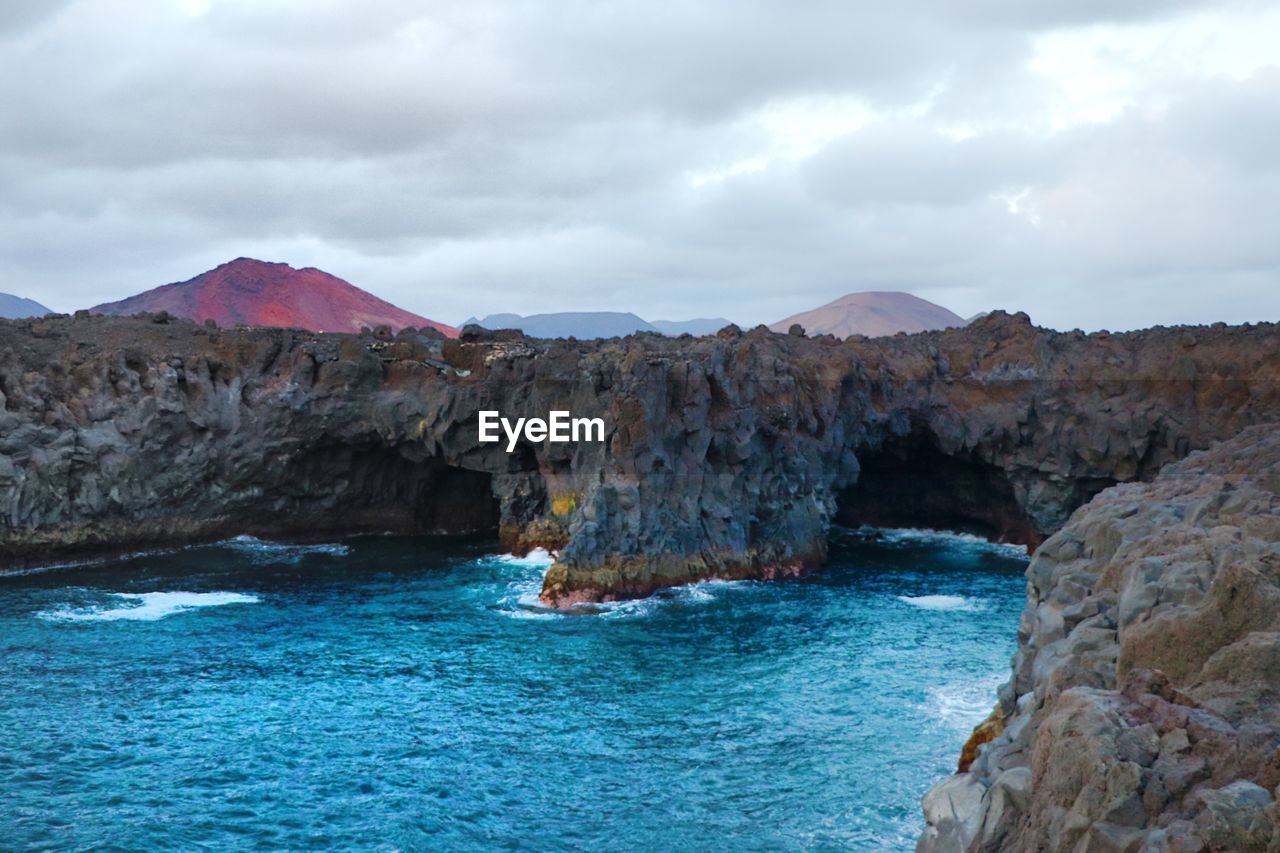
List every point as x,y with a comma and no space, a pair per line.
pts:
257,293
595,324
874,314
16,307
699,327
564,324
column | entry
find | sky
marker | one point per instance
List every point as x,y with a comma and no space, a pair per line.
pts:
1095,163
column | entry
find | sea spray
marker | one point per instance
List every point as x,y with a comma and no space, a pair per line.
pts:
147,606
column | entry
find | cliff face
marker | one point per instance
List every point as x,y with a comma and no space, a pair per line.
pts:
726,456
1144,708
1143,704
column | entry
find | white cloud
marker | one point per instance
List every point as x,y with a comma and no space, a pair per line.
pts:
1095,163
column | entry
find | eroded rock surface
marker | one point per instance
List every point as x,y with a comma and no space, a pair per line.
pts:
1144,708
727,456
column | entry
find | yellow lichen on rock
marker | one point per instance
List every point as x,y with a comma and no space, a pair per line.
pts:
985,732
563,503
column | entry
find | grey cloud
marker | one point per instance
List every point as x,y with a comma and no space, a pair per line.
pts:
1018,13
272,87
17,16
1236,121
465,158
906,162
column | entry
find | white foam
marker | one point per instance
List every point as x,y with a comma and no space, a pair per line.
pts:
963,706
280,550
532,613
632,608
702,592
538,558
708,590
148,606
521,600
941,602
920,535
698,592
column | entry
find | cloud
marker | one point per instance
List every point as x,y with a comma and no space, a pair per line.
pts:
17,16
910,163
1014,13
1097,164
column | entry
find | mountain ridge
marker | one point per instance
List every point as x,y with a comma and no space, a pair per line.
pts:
251,292
14,307
595,324
874,314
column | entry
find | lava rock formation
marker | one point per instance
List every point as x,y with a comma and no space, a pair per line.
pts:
1141,713
727,456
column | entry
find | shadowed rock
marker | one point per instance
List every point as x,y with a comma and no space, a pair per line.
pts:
723,457
1142,707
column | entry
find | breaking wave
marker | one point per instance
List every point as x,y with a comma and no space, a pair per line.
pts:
962,706
280,551
954,541
147,606
537,558
942,602
521,598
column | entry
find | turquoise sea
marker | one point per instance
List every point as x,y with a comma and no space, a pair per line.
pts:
407,694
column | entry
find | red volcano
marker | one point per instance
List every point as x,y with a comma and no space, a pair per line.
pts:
256,293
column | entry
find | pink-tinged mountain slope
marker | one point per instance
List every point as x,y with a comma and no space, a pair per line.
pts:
256,293
874,314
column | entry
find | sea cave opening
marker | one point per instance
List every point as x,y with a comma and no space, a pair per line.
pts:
371,487
908,481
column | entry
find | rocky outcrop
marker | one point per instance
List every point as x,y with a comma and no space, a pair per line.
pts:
726,456
1142,713
1144,708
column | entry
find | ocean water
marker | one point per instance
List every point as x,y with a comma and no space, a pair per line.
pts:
401,694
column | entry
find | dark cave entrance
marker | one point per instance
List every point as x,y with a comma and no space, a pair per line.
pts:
909,482
374,488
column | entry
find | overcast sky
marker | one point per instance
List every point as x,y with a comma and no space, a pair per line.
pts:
1096,163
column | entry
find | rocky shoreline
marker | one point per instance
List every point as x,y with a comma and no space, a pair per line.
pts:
727,456
1143,712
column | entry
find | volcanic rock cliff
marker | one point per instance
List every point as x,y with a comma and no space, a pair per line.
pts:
727,456
1144,708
